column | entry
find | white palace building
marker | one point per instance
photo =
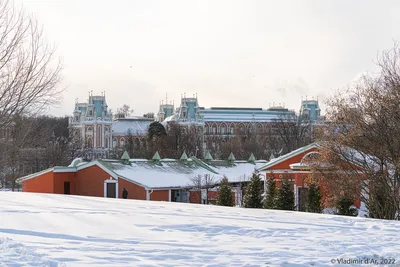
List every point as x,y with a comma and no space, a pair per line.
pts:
100,132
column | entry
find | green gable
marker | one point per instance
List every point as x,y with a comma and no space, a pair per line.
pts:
184,156
156,157
231,157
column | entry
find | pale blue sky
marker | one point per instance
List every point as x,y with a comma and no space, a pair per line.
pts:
231,53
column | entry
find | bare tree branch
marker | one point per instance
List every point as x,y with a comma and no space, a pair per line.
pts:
29,75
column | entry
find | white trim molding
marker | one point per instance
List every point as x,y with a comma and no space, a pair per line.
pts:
111,181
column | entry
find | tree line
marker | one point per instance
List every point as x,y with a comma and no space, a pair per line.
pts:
171,140
280,197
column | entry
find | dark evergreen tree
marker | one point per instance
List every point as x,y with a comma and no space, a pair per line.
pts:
224,197
344,206
285,198
270,200
156,129
254,189
314,199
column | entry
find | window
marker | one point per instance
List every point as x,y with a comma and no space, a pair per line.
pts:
232,130
114,142
122,142
90,142
223,130
214,130
91,113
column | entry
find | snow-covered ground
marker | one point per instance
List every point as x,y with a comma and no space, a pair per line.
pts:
59,230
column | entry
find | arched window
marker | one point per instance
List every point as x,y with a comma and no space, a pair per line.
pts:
106,140
223,129
114,142
90,142
122,142
214,128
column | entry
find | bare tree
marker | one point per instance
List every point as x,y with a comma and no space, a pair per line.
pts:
294,131
124,111
200,183
29,75
196,183
208,182
182,138
363,146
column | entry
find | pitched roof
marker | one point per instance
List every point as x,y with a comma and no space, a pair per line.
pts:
33,175
137,127
164,174
289,155
239,171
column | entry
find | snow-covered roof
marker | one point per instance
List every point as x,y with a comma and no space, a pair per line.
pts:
238,171
137,127
243,114
161,174
166,173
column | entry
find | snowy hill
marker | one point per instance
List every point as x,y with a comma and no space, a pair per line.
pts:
59,230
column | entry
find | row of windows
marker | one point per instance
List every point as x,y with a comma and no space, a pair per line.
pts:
221,130
115,143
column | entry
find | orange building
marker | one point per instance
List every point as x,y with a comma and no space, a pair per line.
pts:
293,167
155,179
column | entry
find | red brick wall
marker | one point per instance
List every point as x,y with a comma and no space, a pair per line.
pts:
90,181
41,184
194,197
160,195
60,178
134,191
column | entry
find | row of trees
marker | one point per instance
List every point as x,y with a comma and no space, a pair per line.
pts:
31,144
283,198
290,132
29,84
